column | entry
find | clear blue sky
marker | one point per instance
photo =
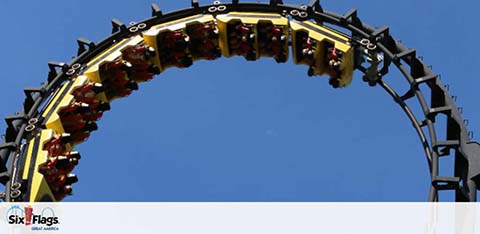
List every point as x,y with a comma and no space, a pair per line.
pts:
232,130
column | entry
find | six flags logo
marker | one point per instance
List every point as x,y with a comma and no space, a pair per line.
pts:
18,216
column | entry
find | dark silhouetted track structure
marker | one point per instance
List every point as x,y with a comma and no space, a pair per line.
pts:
37,156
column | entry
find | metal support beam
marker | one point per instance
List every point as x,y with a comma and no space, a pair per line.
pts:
30,100
5,150
156,11
315,6
439,110
4,177
381,31
12,118
195,4
404,54
350,14
472,190
117,26
425,79
53,69
82,42
275,2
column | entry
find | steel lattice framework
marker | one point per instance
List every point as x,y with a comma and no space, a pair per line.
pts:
367,40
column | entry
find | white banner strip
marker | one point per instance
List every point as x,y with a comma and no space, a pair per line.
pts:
241,218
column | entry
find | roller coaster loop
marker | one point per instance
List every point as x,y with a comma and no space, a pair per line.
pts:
37,156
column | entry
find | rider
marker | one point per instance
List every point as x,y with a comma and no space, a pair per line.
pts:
334,62
56,146
139,56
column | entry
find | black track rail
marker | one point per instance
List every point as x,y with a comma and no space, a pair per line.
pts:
419,76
